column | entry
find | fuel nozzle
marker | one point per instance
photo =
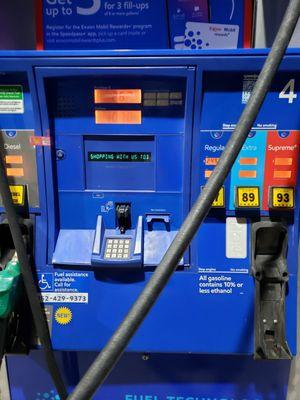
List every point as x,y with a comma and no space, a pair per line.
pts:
269,268
123,217
9,286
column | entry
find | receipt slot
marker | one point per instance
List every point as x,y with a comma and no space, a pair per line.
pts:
269,268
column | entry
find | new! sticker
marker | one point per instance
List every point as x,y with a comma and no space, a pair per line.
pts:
63,315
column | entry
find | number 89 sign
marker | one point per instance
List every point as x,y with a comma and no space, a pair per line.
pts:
247,197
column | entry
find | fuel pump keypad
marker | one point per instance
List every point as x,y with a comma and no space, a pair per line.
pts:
117,249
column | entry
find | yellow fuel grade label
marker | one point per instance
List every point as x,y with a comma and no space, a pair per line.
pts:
247,197
219,201
282,197
17,194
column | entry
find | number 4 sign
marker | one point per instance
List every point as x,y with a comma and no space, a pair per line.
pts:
288,92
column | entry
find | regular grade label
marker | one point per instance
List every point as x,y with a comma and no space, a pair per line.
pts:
282,197
247,197
219,201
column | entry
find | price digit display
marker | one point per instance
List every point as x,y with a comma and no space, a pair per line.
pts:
247,197
282,197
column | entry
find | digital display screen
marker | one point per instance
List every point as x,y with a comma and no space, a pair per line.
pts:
129,117
118,96
119,156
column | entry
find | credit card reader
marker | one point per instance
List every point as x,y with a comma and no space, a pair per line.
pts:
120,247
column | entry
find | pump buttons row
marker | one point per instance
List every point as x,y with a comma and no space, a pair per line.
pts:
249,197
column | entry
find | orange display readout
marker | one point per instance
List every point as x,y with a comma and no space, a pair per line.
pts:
282,174
118,117
15,172
248,161
14,159
211,160
283,161
247,174
118,96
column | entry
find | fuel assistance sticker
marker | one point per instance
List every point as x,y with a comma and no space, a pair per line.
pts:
64,286
11,99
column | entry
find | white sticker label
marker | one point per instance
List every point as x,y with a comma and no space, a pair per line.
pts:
199,35
62,297
221,284
11,99
236,237
248,86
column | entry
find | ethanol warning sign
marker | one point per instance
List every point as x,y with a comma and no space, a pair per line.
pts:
11,99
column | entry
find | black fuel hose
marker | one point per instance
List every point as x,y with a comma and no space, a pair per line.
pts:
105,361
31,290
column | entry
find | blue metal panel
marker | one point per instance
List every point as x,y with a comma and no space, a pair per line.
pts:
214,90
159,377
220,109
166,125
14,73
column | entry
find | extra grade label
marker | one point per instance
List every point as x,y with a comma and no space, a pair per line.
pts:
247,197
